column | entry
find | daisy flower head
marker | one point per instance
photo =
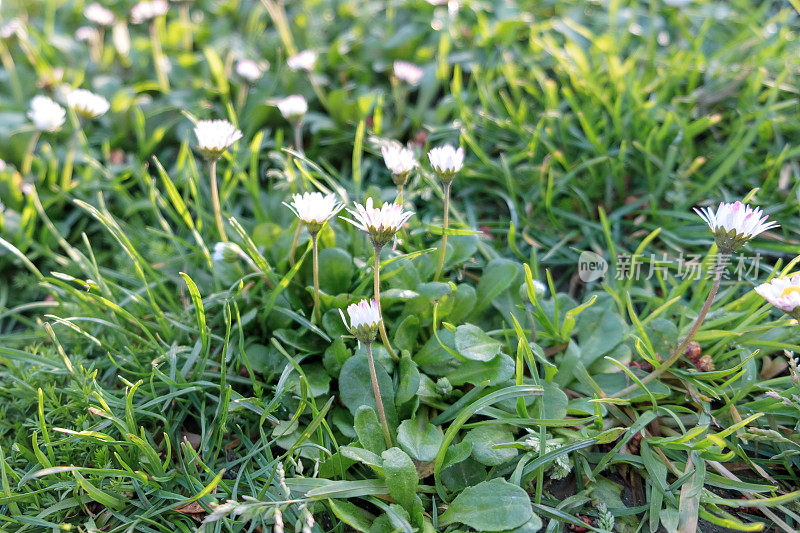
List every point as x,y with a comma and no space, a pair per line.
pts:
248,69
97,14
292,107
86,33
148,10
87,104
399,160
783,293
733,225
45,114
215,136
407,72
314,209
365,319
304,60
446,161
381,224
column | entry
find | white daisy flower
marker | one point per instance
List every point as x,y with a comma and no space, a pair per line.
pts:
380,223
314,208
87,104
446,161
399,160
408,72
735,224
45,114
292,107
215,136
248,69
99,15
304,60
148,9
365,318
86,33
783,293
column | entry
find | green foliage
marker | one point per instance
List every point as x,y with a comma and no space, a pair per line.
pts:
149,383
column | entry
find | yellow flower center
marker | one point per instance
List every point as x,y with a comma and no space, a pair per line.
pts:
789,290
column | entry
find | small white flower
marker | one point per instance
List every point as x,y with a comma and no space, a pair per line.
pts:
314,208
99,15
12,28
380,223
248,69
215,136
735,224
365,318
446,160
398,159
408,72
87,104
86,33
3,165
304,60
45,114
148,9
783,293
292,107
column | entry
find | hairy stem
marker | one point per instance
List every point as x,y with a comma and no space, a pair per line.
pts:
158,56
377,292
315,255
215,200
446,224
378,401
28,160
676,354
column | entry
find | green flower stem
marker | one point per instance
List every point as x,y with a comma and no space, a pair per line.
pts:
377,291
186,23
443,251
315,255
298,136
158,55
212,165
676,354
28,160
387,436
11,68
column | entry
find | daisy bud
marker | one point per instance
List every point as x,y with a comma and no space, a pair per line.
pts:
86,33
292,107
408,72
400,161
380,224
733,225
248,69
215,136
87,104
446,161
147,10
45,114
365,319
304,60
314,209
783,293
97,14
226,251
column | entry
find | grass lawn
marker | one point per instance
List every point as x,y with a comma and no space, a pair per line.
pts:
544,336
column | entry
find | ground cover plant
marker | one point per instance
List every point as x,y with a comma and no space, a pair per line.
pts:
392,266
